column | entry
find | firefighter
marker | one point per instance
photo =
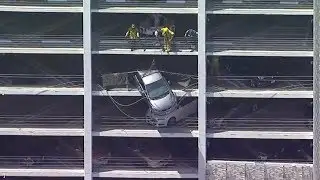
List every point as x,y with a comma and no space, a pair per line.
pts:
133,35
167,36
191,36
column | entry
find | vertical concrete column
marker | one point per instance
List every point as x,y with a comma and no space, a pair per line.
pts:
316,90
87,90
202,113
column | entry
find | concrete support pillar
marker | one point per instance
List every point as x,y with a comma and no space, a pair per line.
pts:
87,90
202,113
316,90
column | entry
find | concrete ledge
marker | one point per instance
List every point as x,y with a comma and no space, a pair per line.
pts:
147,10
40,9
265,163
42,50
217,169
146,174
41,132
161,133
306,12
136,93
261,94
43,172
147,52
226,93
262,53
261,134
40,91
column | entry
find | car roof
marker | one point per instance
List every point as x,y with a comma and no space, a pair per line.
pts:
150,76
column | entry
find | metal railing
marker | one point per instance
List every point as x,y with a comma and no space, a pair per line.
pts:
263,124
179,43
286,83
41,41
136,163
267,4
56,162
41,121
41,80
112,122
119,42
259,43
149,3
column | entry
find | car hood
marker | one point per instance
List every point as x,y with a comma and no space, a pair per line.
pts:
164,103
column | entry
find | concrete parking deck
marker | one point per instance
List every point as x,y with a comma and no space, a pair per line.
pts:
261,94
183,173
225,93
41,132
146,52
161,133
26,50
40,91
43,172
261,135
46,9
147,10
260,7
41,6
163,7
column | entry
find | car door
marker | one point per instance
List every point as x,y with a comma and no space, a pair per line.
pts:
139,84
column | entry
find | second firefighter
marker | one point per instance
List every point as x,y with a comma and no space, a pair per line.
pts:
133,35
167,38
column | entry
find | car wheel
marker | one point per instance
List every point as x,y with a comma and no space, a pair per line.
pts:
172,121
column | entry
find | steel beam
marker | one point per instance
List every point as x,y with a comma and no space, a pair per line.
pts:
316,90
202,112
87,90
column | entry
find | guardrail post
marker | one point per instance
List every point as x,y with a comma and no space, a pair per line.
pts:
87,89
202,99
316,90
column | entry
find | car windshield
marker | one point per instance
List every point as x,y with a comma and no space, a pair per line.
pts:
158,89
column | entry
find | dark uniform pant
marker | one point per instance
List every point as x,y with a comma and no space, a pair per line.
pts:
133,42
167,43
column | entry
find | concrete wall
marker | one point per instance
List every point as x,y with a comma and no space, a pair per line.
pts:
240,170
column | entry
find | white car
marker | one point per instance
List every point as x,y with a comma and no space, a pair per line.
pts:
155,88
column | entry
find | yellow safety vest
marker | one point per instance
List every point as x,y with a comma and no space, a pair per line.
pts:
166,31
133,32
